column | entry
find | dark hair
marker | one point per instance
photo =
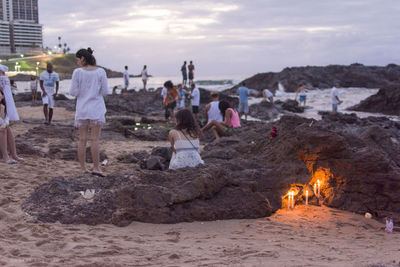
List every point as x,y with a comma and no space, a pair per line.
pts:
223,106
168,84
214,94
3,102
145,67
185,121
193,85
191,62
184,62
33,78
126,67
87,54
243,84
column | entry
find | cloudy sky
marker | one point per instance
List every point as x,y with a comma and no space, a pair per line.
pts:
226,37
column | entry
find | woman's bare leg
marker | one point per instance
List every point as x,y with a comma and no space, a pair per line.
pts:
3,145
83,135
95,132
11,144
215,126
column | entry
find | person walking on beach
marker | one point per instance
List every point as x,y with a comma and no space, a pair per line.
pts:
191,72
243,92
170,101
185,143
195,100
230,123
335,99
301,91
89,85
144,77
267,94
34,86
48,81
182,96
7,139
126,81
184,74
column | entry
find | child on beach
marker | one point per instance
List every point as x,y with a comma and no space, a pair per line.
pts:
7,139
185,142
89,85
34,85
228,126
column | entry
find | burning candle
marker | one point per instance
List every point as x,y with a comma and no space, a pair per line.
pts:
289,199
292,200
315,189
319,188
306,197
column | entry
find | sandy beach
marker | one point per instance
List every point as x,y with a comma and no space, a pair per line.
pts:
306,236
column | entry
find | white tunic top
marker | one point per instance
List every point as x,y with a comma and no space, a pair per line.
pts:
214,113
187,153
89,87
12,113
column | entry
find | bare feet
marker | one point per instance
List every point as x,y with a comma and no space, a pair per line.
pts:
10,161
98,173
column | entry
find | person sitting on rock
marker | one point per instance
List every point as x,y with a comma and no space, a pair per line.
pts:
185,142
228,126
212,109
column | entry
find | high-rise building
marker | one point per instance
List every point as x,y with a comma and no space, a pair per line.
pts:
20,31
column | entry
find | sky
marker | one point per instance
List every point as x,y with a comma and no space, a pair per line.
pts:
228,37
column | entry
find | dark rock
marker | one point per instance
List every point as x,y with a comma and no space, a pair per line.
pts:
155,163
264,110
66,152
134,157
24,148
290,105
164,152
386,101
147,120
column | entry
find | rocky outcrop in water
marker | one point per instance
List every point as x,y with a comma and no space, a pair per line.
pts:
386,101
355,75
268,111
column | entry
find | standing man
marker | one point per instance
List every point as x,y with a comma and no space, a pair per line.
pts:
48,80
195,100
335,99
243,92
184,74
126,80
191,72
144,77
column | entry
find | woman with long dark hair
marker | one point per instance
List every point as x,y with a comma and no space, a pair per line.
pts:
185,142
228,126
89,85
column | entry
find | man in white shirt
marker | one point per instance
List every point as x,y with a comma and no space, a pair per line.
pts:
335,99
126,80
144,77
195,100
267,94
48,81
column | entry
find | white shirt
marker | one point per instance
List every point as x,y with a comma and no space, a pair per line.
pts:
335,94
195,97
34,85
12,113
89,87
49,81
268,93
164,93
214,113
144,74
126,76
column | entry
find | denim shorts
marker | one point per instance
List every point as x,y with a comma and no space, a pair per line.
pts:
334,107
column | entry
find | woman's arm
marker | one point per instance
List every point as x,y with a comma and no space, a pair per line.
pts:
74,89
171,138
104,84
228,116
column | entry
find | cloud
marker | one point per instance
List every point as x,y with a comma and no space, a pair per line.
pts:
227,36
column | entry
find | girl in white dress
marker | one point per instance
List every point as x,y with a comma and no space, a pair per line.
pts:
185,141
89,85
10,114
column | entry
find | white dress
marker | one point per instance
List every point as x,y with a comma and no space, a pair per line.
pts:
89,87
187,153
12,113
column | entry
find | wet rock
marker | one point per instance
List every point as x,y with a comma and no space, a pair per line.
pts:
290,105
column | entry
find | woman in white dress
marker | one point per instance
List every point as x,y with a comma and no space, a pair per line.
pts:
89,85
10,114
144,77
185,142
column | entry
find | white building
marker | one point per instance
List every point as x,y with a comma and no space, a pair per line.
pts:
20,31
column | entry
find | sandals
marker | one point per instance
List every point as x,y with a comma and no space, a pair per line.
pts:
10,161
100,174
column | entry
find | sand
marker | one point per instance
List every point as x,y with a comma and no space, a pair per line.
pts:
306,236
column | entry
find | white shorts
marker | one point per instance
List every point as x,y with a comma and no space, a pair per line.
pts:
48,100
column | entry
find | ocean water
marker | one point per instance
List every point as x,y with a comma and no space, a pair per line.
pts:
317,99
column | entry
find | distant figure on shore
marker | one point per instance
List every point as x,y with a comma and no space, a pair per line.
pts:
212,109
184,74
195,100
144,77
48,81
182,97
126,81
14,87
7,139
191,72
267,94
301,91
243,92
89,84
228,126
34,86
170,101
185,141
335,99
114,90
164,95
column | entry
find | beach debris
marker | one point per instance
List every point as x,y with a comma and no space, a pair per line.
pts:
368,215
389,225
88,194
311,124
105,162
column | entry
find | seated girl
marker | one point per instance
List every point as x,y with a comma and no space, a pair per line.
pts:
230,123
185,142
